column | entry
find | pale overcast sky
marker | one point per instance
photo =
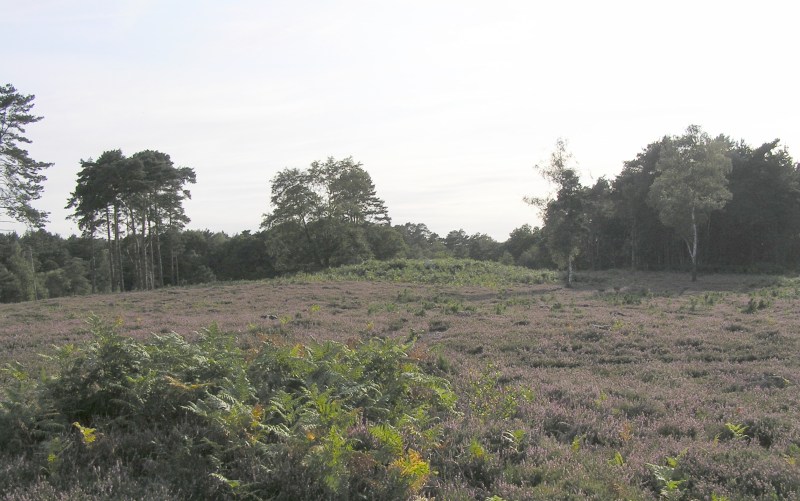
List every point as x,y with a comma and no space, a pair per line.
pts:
448,104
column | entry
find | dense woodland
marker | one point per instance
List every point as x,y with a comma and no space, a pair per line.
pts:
685,202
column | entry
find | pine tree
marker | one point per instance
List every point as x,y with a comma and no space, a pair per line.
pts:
20,176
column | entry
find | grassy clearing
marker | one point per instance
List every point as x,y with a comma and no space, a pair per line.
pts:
630,386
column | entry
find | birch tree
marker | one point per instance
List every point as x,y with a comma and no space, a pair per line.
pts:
691,183
564,215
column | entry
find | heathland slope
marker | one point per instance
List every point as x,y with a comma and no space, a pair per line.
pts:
630,385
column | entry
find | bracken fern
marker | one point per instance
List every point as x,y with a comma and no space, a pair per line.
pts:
319,421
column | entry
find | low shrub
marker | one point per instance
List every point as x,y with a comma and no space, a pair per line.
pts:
207,419
437,271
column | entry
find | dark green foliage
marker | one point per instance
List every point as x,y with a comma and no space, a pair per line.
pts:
323,217
528,248
602,229
566,215
135,199
759,227
421,242
480,247
644,241
21,177
39,265
241,257
328,215
385,241
691,183
207,420
756,231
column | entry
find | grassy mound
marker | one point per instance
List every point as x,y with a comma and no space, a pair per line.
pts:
454,272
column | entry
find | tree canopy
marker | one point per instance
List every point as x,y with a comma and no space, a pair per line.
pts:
140,197
565,215
21,176
321,215
733,206
691,183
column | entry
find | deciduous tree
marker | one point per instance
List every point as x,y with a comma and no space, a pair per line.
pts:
691,183
319,215
564,215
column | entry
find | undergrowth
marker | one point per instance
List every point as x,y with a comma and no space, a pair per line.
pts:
456,272
116,417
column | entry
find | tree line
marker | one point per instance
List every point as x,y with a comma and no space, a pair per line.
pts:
137,198
684,202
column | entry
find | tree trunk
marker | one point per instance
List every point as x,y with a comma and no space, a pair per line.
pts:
150,257
111,265
158,255
633,244
311,243
693,249
136,256
33,275
173,269
569,272
143,256
118,252
93,262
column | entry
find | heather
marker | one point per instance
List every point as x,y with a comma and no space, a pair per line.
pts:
211,420
391,380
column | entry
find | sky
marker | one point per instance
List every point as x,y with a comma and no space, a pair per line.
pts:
448,104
